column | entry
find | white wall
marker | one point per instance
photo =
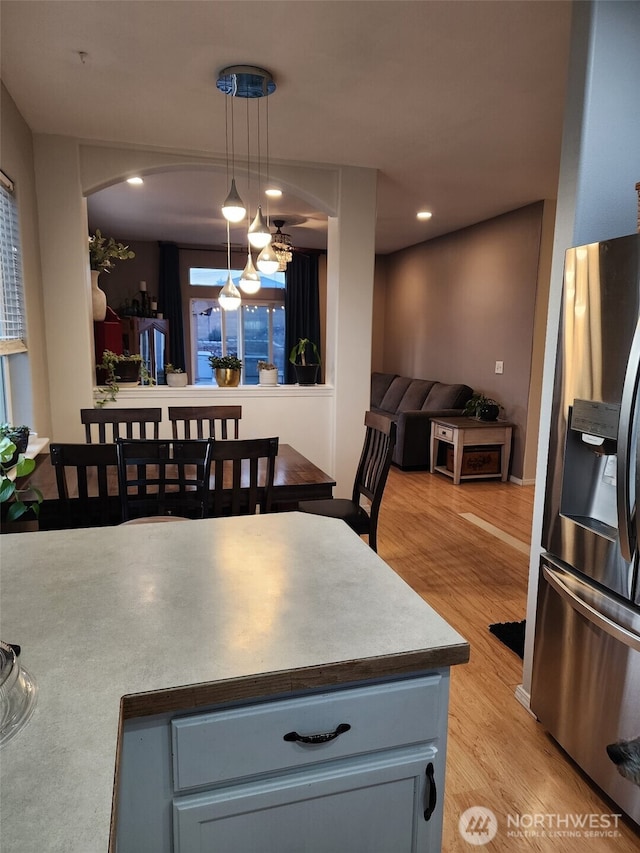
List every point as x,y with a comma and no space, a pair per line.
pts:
599,168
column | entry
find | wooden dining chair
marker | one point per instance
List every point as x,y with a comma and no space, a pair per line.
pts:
205,421
369,483
86,477
125,423
164,477
243,475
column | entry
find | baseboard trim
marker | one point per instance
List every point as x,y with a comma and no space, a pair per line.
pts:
524,699
520,482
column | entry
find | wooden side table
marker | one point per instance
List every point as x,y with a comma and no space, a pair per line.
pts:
463,432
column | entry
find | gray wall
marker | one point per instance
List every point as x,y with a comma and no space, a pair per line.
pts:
455,305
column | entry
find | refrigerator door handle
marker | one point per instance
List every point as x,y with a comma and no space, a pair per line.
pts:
627,521
600,620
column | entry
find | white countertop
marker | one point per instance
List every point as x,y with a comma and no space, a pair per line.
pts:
107,612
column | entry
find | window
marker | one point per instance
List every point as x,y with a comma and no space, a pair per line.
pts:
255,332
12,330
12,324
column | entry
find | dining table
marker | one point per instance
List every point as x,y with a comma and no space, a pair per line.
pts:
296,479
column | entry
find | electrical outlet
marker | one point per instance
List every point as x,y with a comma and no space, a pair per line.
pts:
499,366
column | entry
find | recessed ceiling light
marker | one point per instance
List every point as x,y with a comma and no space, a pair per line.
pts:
272,192
136,180
424,214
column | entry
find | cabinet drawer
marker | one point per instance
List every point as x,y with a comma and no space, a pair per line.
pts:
220,746
444,432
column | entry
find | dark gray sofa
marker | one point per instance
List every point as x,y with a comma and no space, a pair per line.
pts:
411,403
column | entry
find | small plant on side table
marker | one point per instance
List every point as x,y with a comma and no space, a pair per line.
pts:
482,408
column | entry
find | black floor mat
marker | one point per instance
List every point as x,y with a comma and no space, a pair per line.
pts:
511,634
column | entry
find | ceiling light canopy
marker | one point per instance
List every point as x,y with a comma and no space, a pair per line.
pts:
424,214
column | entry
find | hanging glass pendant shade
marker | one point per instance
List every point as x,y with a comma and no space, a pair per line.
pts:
233,208
250,280
268,262
259,234
229,298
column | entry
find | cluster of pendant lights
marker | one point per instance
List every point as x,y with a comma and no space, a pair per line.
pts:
248,82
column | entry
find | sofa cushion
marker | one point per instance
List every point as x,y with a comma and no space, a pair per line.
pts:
444,396
395,393
379,386
415,395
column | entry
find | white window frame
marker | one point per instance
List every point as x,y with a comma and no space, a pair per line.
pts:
12,311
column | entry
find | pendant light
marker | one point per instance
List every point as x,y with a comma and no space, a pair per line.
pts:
233,208
250,280
267,261
259,234
229,297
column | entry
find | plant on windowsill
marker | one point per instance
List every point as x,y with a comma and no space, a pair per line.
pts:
175,376
482,408
267,373
11,457
226,369
306,371
114,371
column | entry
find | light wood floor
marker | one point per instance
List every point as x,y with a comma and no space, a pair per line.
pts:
498,755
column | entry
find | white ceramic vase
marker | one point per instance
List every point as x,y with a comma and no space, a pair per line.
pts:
98,298
177,380
268,377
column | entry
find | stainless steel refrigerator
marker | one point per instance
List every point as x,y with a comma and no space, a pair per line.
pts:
586,664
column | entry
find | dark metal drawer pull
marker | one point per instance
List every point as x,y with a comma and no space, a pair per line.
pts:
431,795
322,738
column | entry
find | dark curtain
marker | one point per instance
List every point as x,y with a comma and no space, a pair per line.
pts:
170,301
302,307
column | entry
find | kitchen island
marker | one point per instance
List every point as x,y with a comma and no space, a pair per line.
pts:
164,628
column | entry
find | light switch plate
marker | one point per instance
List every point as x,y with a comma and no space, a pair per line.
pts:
499,366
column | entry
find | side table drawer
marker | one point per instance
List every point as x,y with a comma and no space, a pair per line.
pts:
444,432
212,748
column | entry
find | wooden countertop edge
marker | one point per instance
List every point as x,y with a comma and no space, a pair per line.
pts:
289,681
251,687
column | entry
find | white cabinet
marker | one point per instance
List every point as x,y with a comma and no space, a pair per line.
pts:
358,770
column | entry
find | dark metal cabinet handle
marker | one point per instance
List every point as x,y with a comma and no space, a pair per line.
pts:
431,795
320,738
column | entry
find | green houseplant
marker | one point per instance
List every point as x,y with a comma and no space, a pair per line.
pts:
306,371
115,370
175,376
483,408
226,369
104,250
12,458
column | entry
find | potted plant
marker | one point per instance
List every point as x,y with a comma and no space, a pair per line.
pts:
115,370
226,369
18,435
483,408
267,373
306,371
10,493
102,253
175,376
